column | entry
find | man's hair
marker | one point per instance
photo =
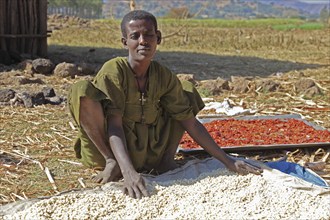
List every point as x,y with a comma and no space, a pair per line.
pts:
136,15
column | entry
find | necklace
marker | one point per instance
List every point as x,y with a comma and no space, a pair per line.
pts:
143,97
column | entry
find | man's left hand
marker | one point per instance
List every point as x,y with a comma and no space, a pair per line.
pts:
243,168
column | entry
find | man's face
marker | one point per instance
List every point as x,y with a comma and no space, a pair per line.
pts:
141,40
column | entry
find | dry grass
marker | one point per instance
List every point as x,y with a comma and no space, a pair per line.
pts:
42,137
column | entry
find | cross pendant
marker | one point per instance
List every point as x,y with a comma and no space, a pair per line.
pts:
142,99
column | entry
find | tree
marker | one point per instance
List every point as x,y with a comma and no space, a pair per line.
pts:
179,13
132,5
81,8
324,15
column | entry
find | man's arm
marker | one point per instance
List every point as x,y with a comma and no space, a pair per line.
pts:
133,182
199,133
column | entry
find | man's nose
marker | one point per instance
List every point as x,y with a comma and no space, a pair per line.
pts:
143,40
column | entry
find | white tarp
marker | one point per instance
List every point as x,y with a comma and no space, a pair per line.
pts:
194,168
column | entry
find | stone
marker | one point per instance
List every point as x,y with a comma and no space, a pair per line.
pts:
312,91
48,92
23,80
26,99
303,84
240,84
43,66
30,100
268,85
86,69
6,95
25,65
215,87
66,70
187,77
38,98
54,100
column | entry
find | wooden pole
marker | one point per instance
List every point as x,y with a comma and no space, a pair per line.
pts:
26,24
30,25
3,24
22,24
13,25
43,27
34,23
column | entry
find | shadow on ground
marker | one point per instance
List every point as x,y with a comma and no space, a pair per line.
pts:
203,66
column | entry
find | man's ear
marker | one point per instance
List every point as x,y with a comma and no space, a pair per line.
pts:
124,41
159,37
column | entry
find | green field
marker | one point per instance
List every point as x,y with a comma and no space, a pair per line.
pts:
212,36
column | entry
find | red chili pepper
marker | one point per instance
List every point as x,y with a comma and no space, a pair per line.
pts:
232,132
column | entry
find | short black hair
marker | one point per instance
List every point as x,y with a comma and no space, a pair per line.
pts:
136,15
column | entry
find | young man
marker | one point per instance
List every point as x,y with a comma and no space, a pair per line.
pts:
134,113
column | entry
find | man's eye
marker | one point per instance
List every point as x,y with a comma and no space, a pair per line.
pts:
134,36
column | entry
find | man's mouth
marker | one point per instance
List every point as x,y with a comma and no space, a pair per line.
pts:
143,50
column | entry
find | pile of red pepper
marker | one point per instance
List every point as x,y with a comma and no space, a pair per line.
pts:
233,132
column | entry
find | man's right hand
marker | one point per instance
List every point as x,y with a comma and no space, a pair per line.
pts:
111,172
134,185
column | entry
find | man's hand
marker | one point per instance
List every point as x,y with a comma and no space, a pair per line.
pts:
111,172
241,167
134,185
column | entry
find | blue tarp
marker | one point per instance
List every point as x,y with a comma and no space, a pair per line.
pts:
297,171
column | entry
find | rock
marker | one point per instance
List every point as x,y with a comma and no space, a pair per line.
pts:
3,68
23,80
224,83
43,66
30,100
16,78
303,84
66,69
25,65
26,99
10,97
239,84
54,100
312,91
38,98
6,95
187,77
267,85
86,69
48,92
215,87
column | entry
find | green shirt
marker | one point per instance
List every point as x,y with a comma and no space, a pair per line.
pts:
165,100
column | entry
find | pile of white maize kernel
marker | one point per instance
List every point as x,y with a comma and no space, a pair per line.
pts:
217,195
